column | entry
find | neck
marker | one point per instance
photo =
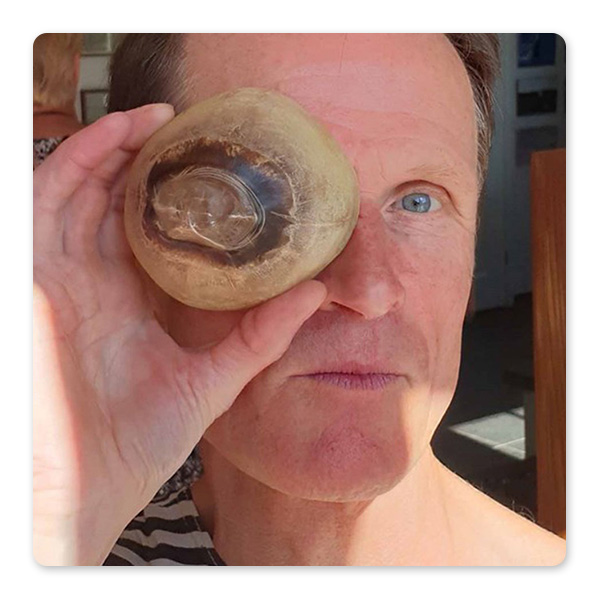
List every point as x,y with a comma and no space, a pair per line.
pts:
54,121
252,524
39,110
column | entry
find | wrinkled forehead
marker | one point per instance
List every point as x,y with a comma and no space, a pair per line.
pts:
372,85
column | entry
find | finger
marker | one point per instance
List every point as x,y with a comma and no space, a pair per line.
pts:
55,180
111,236
112,241
92,225
86,151
262,337
85,214
80,234
120,187
145,120
72,163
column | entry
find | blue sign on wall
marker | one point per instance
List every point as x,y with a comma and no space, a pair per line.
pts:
536,49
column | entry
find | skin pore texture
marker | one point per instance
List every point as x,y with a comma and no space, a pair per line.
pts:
305,471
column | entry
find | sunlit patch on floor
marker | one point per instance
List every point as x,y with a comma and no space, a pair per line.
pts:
503,432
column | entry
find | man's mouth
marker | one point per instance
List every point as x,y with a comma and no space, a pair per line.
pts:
354,381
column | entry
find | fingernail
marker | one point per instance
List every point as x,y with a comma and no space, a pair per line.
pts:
162,111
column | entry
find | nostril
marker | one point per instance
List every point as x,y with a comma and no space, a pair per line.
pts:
357,288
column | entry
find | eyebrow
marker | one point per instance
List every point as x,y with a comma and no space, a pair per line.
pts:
439,172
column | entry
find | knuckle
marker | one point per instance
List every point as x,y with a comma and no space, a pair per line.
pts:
251,336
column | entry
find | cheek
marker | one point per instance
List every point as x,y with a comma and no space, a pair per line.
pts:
446,288
437,272
437,293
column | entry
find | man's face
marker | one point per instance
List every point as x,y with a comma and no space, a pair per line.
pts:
401,108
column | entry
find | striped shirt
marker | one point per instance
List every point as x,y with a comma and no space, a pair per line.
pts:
167,532
42,147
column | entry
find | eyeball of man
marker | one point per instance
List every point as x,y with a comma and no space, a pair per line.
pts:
238,199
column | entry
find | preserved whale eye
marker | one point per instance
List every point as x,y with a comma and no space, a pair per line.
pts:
208,207
238,199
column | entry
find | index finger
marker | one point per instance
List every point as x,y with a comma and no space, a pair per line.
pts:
76,159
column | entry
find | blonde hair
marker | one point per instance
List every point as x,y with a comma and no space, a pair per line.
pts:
54,77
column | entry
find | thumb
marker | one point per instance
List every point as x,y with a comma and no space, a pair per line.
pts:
260,338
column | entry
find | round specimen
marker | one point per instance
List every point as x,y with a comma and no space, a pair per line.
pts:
238,199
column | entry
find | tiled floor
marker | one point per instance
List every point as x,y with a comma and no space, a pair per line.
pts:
503,432
486,435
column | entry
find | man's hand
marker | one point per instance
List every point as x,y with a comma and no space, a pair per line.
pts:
118,405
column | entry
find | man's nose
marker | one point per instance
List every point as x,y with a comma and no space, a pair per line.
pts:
364,277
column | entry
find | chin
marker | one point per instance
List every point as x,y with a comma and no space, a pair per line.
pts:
345,464
331,448
340,466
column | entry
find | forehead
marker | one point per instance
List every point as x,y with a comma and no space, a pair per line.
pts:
365,88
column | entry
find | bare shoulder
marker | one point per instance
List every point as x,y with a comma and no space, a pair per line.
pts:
492,534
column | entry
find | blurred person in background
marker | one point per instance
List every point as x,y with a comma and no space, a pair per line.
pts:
55,77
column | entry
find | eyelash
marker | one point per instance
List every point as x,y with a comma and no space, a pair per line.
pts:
434,203
435,196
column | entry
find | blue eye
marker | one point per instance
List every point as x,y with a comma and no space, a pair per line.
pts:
415,202
418,202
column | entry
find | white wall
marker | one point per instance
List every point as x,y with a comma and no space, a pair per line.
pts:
93,75
503,256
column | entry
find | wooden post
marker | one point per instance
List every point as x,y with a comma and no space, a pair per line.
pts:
548,239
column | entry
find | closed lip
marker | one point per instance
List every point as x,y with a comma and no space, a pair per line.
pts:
351,368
